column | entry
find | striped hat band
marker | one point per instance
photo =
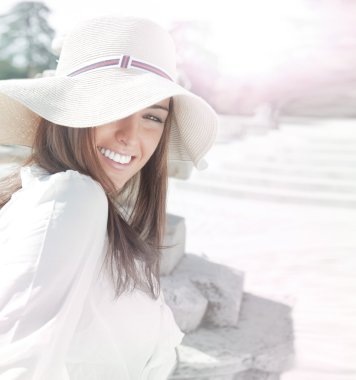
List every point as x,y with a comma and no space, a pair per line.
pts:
124,61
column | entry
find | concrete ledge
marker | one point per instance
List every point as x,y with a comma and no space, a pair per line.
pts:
257,375
221,285
185,300
259,348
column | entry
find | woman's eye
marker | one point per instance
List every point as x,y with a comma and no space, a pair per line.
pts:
153,118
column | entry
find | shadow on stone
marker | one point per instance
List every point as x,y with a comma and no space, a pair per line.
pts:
259,348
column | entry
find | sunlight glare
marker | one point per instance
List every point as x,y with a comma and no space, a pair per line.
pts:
257,37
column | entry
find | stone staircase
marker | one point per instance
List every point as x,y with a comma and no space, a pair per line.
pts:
230,335
304,163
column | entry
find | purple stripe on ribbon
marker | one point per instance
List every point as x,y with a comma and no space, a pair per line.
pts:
153,69
123,62
110,62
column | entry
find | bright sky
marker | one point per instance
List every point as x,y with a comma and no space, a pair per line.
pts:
250,36
67,13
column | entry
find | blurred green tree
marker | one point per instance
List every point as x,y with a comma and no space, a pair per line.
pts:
25,41
7,70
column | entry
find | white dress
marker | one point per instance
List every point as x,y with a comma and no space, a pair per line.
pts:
58,319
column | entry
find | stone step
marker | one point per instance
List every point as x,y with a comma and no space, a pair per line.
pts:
262,153
285,181
331,131
283,169
257,375
259,348
270,194
284,139
325,140
296,157
309,150
328,130
185,300
219,285
312,149
286,147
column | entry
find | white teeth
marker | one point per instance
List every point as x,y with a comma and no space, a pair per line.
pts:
117,157
121,159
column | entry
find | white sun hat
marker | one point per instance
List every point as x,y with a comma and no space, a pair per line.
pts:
109,68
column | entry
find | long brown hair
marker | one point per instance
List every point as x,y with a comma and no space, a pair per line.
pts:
135,237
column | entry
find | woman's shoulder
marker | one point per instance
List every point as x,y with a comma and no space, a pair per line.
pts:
69,186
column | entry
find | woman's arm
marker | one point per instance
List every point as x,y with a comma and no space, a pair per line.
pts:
47,267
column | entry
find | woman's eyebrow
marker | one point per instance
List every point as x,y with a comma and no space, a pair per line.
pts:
157,106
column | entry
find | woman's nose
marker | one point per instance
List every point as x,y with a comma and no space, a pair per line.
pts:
128,130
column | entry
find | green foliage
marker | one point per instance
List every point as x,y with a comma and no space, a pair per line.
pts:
25,41
7,70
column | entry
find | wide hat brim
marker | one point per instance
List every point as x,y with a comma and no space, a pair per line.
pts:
93,99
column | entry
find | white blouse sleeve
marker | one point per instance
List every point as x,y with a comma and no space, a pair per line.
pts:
47,264
163,362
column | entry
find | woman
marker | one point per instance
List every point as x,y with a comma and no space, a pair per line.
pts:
81,222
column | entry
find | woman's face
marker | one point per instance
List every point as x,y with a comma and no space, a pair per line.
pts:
124,146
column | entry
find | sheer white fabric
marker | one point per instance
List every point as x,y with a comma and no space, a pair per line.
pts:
58,318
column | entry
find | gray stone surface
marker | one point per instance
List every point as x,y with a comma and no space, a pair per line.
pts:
174,237
257,375
185,300
221,285
262,342
266,331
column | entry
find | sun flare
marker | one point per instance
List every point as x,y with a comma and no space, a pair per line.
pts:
256,38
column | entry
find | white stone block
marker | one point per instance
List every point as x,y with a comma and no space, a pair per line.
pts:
220,284
265,330
186,302
174,237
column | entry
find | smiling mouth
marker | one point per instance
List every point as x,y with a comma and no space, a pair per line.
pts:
115,156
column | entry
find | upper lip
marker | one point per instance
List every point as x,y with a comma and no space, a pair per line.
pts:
116,151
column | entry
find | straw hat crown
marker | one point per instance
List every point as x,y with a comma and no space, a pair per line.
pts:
104,37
